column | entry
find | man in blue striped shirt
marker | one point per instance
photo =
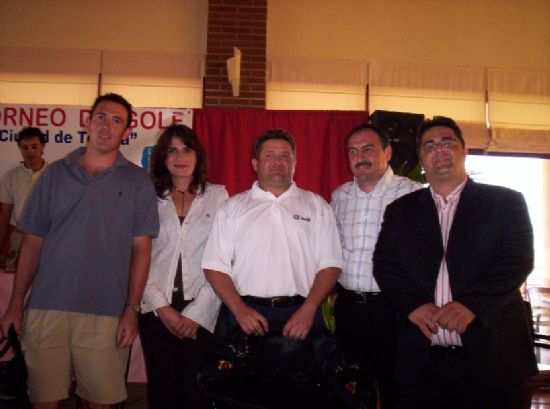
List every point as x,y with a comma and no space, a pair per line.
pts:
364,319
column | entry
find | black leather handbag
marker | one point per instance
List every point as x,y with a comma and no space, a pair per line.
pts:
275,372
13,375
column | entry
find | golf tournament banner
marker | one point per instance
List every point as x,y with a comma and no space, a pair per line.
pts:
63,127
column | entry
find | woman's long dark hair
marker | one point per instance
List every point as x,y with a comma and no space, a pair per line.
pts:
160,174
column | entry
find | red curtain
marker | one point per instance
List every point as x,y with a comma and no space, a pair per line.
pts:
229,134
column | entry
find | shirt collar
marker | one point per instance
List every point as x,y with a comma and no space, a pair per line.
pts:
73,158
30,171
259,193
452,197
381,186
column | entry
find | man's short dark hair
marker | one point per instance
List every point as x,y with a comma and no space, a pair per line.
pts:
118,99
384,138
31,132
438,121
273,134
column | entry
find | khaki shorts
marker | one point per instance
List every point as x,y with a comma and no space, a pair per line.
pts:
61,345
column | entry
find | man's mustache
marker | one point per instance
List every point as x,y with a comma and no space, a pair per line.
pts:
363,163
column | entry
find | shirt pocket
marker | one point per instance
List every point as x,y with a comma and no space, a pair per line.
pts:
358,231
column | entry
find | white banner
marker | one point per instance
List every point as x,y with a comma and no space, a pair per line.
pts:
63,126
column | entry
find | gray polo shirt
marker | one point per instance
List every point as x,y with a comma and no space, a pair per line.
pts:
87,223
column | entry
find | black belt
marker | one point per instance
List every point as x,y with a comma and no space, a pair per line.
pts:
446,348
274,302
359,296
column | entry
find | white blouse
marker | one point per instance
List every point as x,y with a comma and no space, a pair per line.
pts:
187,241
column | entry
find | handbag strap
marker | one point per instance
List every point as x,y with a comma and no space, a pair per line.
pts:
6,346
11,341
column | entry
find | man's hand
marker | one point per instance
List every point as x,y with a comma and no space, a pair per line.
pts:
127,328
13,316
251,321
299,324
454,316
31,248
424,318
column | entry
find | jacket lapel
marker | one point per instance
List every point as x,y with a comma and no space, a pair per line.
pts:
429,228
463,226
464,216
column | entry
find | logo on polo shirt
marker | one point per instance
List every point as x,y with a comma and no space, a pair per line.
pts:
298,217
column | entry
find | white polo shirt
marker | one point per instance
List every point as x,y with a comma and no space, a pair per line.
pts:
273,246
15,187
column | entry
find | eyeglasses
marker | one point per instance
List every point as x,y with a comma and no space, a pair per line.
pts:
447,143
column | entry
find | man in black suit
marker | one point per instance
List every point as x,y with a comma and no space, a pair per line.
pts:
451,258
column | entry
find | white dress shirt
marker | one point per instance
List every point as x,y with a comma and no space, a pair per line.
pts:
273,246
186,241
359,219
446,209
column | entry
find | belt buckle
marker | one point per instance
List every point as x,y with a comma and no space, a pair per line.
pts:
276,302
360,297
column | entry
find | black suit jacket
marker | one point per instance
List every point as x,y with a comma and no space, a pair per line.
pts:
489,255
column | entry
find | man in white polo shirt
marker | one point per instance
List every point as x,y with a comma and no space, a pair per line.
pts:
16,185
274,252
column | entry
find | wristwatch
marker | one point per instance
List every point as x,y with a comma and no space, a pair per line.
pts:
134,307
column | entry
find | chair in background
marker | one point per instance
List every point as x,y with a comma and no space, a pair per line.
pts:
539,302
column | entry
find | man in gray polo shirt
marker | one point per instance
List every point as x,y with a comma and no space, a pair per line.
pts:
86,250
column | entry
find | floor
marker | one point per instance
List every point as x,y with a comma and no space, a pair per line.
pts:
137,399
540,385
137,394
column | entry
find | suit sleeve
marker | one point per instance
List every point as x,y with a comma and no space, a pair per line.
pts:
510,263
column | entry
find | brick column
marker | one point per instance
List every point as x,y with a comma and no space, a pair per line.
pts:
242,24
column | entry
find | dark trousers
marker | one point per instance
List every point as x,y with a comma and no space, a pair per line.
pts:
449,383
172,365
367,333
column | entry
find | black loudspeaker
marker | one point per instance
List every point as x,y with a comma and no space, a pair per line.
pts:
401,128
